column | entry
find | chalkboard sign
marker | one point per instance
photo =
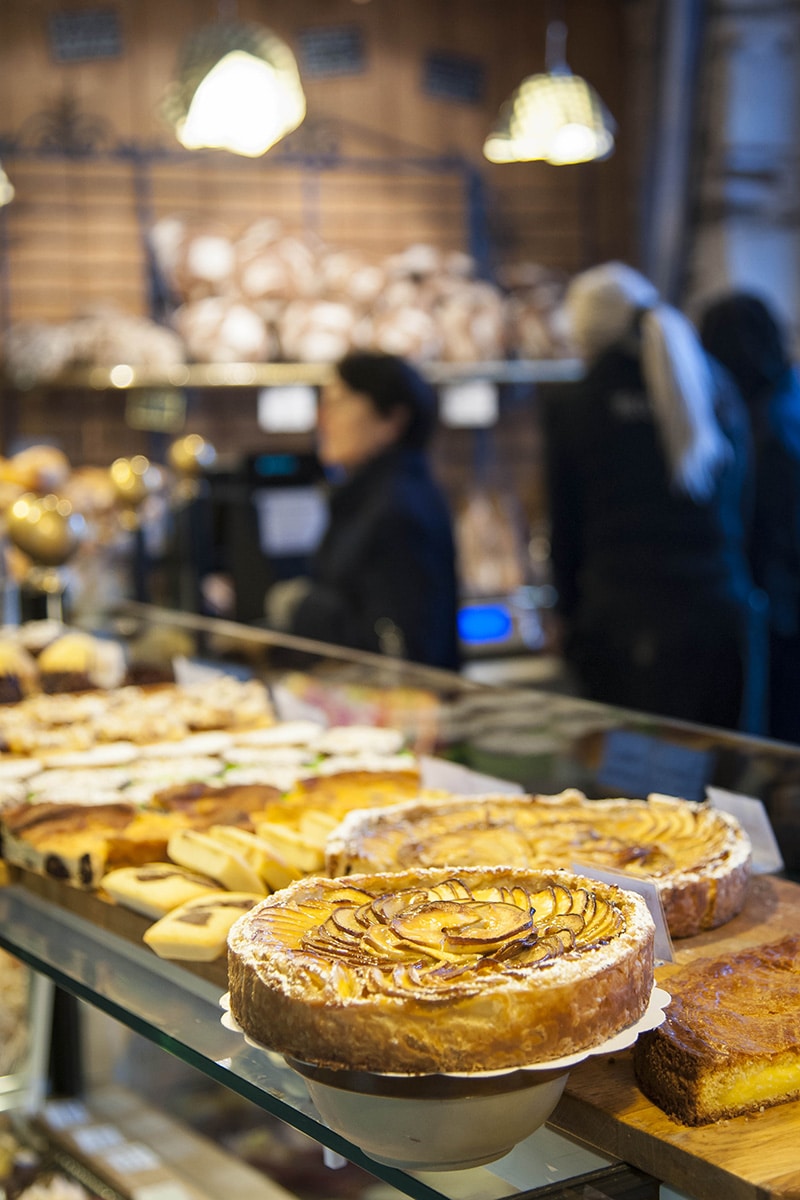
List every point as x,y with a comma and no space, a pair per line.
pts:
636,764
451,77
89,34
331,50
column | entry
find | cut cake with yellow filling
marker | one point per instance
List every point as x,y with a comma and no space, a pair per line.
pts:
730,1043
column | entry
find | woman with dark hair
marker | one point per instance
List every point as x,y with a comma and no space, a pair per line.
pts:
384,576
647,467
743,334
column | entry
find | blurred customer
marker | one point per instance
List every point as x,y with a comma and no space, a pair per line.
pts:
745,336
647,464
384,576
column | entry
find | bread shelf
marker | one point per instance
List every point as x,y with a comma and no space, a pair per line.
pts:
259,375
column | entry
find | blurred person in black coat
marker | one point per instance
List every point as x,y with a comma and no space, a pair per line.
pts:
648,460
743,333
384,577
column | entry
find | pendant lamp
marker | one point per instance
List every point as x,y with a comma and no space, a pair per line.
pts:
555,117
237,88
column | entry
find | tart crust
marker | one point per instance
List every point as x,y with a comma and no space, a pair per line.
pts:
431,971
699,857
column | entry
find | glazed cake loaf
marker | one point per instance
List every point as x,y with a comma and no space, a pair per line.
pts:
730,1043
698,856
436,971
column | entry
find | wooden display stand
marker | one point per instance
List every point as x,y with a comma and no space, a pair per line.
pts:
746,1158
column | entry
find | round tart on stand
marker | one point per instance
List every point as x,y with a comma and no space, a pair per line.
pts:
434,1014
698,857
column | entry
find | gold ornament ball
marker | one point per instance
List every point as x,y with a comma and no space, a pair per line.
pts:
42,528
133,478
191,454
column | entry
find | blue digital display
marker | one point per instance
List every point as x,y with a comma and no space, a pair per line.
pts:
481,623
270,466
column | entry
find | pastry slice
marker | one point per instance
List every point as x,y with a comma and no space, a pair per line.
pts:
197,931
275,871
730,1043
69,842
292,846
200,852
154,889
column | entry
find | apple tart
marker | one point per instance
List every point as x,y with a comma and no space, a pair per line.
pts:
698,856
433,971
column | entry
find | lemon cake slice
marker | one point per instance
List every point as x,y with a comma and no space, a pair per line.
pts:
730,1043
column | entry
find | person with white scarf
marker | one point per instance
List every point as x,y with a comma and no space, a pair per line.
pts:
648,483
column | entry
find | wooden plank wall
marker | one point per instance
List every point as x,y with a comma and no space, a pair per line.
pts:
73,235
72,239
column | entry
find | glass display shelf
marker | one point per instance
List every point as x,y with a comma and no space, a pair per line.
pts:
537,738
124,377
180,1012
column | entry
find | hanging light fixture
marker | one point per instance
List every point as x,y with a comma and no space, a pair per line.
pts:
237,88
6,189
556,117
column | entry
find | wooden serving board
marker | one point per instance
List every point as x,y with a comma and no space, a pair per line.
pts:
102,911
751,1157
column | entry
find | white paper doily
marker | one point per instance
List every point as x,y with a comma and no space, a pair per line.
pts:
650,1019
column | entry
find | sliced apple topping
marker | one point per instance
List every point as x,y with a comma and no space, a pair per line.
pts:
451,924
440,940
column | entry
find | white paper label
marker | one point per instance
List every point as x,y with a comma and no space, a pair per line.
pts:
61,1114
131,1159
97,1138
439,774
289,409
645,888
752,816
332,1159
469,405
169,1189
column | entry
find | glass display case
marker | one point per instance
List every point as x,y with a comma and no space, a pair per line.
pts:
483,737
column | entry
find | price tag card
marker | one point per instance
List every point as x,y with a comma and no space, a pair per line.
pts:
470,405
288,409
332,1159
62,1114
645,888
131,1159
167,1189
637,764
752,816
96,1138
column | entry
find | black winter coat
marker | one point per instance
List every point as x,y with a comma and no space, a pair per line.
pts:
384,576
660,608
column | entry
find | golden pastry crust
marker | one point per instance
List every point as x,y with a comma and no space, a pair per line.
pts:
730,1042
431,971
698,856
65,841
